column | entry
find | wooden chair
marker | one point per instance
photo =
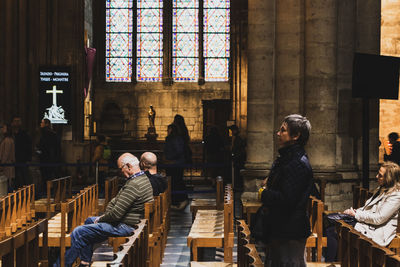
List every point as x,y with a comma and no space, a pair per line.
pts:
252,256
379,255
110,191
214,228
392,261
132,252
209,203
73,213
316,239
58,190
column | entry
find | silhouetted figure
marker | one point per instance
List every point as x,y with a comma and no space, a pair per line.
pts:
179,121
395,155
23,153
7,156
238,152
174,152
214,152
48,150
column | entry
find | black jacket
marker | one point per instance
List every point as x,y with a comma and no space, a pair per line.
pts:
289,187
158,182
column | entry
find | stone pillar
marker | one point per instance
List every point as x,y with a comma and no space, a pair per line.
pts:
348,119
320,104
289,58
260,107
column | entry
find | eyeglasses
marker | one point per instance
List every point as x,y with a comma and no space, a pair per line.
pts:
120,168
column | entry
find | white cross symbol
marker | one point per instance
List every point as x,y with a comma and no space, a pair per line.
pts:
54,92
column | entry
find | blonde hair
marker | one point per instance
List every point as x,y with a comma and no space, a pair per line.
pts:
391,177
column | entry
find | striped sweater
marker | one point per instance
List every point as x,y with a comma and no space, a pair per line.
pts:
128,205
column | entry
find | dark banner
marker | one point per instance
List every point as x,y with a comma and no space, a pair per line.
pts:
55,94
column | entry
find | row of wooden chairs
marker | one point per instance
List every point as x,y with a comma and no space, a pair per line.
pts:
19,231
132,251
16,210
247,254
355,249
58,190
73,213
214,228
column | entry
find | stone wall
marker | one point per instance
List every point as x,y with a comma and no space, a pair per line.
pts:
184,99
390,45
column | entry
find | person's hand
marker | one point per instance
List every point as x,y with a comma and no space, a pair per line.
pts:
350,212
264,182
97,219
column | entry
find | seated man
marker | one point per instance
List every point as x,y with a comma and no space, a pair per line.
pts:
148,163
122,213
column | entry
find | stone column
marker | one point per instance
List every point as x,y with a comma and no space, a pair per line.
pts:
289,58
320,104
260,130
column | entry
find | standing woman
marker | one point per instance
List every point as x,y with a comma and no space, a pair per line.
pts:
175,155
7,156
287,225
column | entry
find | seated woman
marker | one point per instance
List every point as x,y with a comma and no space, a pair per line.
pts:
377,219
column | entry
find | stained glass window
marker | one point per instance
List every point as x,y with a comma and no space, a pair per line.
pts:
149,34
216,40
149,40
185,41
119,40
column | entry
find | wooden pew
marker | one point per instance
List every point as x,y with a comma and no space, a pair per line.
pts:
132,252
209,203
392,260
16,210
247,252
157,215
110,191
73,213
58,190
214,228
316,239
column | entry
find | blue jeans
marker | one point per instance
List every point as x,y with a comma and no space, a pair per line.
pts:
85,236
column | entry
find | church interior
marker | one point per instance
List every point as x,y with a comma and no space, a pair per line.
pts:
78,75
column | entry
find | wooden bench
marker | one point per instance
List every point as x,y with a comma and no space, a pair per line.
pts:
16,210
73,213
247,252
110,191
58,190
132,251
316,239
19,232
209,203
214,228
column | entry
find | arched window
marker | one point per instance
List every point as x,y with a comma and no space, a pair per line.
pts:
136,46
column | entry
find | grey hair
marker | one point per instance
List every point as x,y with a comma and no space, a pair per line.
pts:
298,125
131,159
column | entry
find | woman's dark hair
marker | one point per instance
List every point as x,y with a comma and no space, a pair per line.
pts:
179,121
174,130
393,136
8,132
101,138
298,125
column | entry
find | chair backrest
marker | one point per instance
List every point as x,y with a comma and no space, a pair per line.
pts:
110,189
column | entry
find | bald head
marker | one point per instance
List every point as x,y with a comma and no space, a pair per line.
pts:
128,164
148,162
